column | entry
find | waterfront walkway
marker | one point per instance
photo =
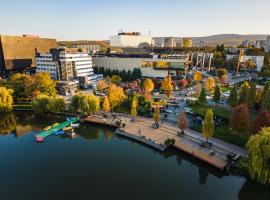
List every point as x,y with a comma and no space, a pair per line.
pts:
142,131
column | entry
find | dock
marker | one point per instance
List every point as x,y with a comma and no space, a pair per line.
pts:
50,131
141,130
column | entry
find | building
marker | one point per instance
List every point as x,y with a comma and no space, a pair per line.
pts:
63,64
245,43
133,39
267,44
151,66
88,48
187,42
167,42
260,44
67,88
257,60
17,53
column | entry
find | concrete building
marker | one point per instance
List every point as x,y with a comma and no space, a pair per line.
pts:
62,64
67,88
133,39
260,44
88,48
258,60
17,53
245,43
154,66
167,41
187,42
267,44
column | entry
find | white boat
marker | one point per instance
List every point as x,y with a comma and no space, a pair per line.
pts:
75,125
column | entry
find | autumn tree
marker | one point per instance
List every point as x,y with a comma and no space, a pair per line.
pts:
182,121
148,85
221,72
244,92
266,101
44,103
233,97
197,76
167,85
157,114
116,95
258,147
84,103
217,94
202,97
210,83
116,79
262,120
43,84
251,95
134,106
208,125
239,118
6,100
102,85
106,104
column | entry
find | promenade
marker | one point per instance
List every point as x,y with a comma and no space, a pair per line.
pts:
142,131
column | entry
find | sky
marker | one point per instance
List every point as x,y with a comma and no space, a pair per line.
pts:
99,19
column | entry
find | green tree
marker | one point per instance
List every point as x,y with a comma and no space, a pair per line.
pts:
157,114
116,79
208,125
6,100
233,98
44,103
221,72
217,94
266,101
202,97
244,92
251,95
258,148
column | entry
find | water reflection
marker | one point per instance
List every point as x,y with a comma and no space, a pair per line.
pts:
7,123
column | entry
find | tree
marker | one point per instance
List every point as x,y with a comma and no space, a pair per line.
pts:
148,85
233,98
56,104
210,83
44,103
265,88
197,76
221,72
266,101
6,100
239,118
251,95
208,125
217,94
262,120
43,84
258,147
102,85
167,85
134,106
116,95
202,97
157,114
182,121
244,92
86,104
106,104
116,79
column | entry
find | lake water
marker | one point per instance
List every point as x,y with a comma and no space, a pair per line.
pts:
97,164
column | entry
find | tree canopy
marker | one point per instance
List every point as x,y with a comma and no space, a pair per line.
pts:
6,99
208,125
116,95
148,85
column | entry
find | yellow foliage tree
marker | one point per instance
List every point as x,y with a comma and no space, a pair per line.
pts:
167,85
102,85
116,95
116,79
157,114
134,107
148,85
210,83
197,76
106,104
208,125
6,100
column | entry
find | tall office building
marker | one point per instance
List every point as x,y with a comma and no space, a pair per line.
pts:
17,53
267,44
63,64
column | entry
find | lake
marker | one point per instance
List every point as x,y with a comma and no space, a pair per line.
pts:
97,164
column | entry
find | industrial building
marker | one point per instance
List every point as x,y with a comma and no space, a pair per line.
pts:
17,53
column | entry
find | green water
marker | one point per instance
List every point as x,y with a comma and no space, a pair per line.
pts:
97,164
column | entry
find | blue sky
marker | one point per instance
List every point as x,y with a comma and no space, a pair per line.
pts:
98,19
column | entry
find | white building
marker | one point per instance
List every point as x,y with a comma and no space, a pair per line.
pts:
258,60
267,44
150,67
62,64
133,39
89,48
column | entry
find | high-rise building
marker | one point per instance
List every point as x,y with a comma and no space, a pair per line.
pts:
187,42
260,44
63,64
17,53
267,44
133,39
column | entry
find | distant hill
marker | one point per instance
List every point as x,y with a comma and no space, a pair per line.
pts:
227,39
102,43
